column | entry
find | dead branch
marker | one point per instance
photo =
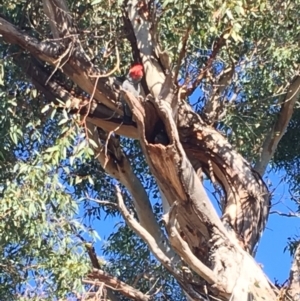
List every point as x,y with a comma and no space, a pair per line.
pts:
101,202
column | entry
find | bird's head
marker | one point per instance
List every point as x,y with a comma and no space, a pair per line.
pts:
136,72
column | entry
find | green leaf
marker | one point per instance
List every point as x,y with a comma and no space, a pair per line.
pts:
95,2
45,108
52,149
240,10
63,121
229,14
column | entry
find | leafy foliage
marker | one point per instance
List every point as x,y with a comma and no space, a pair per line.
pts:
41,252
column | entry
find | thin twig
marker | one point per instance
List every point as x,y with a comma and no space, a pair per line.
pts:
116,67
101,202
182,51
290,214
67,51
106,144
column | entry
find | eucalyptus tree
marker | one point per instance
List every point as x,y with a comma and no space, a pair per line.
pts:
220,86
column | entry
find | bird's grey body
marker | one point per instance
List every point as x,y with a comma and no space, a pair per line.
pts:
134,87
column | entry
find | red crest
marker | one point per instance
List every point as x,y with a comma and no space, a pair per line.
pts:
136,71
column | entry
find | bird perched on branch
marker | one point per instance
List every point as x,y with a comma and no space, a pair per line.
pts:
131,84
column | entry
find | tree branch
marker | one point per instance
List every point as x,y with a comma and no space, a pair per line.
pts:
97,277
215,106
59,18
279,127
182,51
202,73
96,265
98,114
145,235
142,29
72,60
45,51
